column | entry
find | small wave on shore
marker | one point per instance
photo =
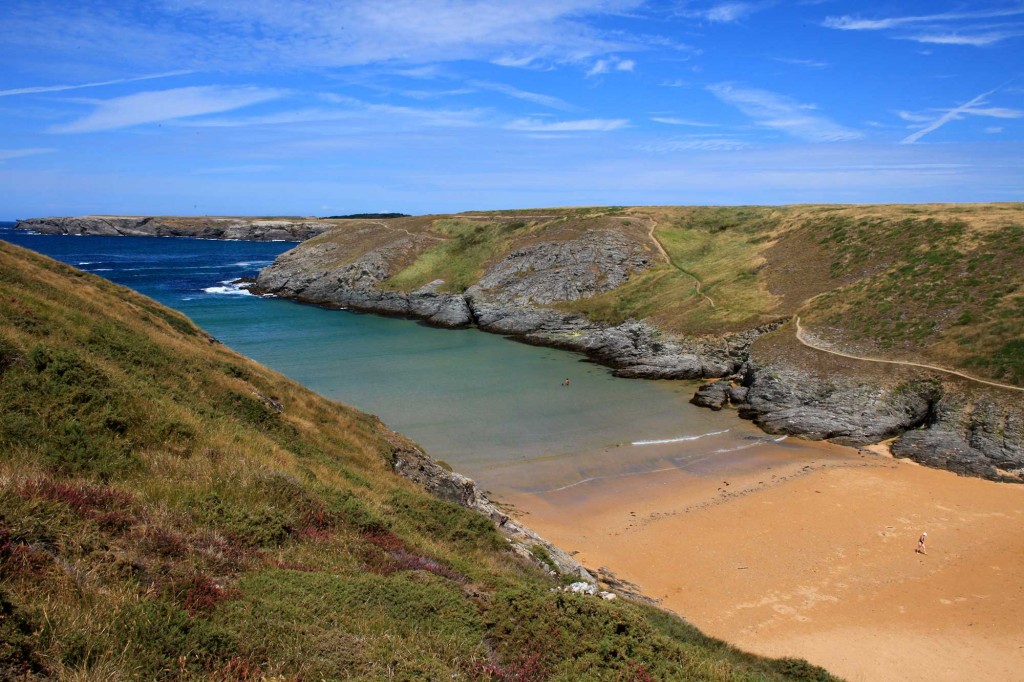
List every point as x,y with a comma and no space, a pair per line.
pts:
681,439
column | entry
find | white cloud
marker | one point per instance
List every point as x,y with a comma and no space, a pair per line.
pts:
166,105
848,23
703,144
975,107
582,125
352,109
945,28
809,63
779,112
671,120
256,35
976,40
536,98
613,63
6,154
992,130
117,81
723,12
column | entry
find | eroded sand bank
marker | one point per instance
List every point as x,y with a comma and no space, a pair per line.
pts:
808,550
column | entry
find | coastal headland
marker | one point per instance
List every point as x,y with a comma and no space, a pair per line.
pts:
718,293
812,321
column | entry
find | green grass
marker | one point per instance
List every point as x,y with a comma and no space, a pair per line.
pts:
170,510
460,259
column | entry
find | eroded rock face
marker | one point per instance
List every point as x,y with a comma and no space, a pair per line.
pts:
935,424
551,272
973,437
205,228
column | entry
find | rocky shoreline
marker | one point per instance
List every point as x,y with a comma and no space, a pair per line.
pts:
939,423
245,229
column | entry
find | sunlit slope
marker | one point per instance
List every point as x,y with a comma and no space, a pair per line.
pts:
171,510
935,283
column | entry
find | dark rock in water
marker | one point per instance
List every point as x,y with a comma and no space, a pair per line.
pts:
714,395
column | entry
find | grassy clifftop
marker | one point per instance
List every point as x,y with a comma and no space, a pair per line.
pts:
171,510
937,283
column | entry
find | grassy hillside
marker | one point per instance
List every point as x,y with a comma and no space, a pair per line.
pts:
171,510
937,283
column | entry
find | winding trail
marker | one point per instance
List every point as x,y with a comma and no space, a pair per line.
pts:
802,339
663,252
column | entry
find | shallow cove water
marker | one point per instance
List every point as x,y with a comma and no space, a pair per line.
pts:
495,410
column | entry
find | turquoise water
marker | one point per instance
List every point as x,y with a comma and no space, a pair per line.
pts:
493,408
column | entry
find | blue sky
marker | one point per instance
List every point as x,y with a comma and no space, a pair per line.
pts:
324,107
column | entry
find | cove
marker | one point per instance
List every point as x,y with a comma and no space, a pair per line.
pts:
494,409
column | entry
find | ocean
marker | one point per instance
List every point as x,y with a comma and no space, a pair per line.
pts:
494,409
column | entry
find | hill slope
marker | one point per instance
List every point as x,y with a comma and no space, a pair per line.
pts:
714,292
171,510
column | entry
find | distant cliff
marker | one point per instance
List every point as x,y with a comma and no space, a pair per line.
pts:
246,229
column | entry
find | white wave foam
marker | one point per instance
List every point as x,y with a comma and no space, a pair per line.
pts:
681,439
229,288
251,263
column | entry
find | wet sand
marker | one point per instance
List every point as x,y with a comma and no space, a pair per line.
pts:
808,550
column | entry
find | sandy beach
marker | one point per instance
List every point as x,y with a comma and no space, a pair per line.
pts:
808,550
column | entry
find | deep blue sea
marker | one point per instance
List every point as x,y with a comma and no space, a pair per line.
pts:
493,408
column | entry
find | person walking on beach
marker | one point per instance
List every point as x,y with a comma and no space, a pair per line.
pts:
566,382
920,543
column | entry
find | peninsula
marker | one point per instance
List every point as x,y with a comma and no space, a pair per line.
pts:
857,324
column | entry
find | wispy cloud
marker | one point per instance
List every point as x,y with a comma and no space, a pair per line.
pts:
848,23
257,35
783,113
809,63
6,154
673,121
166,105
582,125
351,109
944,28
975,107
700,144
723,12
536,98
117,81
611,64
248,168
976,39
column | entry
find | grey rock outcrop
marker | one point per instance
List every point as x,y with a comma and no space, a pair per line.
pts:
971,436
245,229
551,272
941,425
449,486
784,399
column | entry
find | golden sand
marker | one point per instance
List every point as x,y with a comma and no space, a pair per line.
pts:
808,550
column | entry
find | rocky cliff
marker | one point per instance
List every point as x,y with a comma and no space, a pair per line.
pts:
517,295
600,283
940,421
247,229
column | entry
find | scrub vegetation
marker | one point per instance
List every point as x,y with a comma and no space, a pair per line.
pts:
170,510
936,283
